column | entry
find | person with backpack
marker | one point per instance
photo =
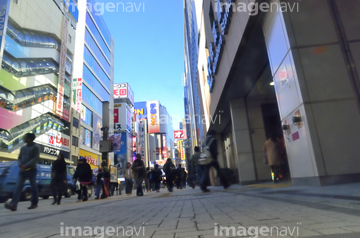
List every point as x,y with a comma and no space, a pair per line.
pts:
169,169
139,174
211,146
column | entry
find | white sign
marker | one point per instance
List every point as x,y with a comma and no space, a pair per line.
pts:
55,139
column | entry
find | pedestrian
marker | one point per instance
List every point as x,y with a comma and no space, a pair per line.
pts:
100,185
156,178
183,177
211,143
273,156
128,175
169,169
27,161
83,174
179,177
196,168
148,178
58,178
139,174
106,172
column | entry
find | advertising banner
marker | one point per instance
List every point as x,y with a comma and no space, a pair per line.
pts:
164,147
184,128
97,133
182,151
128,119
119,147
154,116
62,65
179,135
76,94
140,110
4,15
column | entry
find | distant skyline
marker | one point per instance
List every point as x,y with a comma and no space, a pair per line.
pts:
149,49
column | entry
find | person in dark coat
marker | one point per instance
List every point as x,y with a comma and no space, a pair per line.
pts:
156,178
58,178
83,174
169,169
139,174
179,177
212,144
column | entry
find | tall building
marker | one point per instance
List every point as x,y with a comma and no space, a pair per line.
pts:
160,132
193,111
291,68
93,80
37,47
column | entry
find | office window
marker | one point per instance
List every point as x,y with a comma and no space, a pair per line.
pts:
75,141
75,122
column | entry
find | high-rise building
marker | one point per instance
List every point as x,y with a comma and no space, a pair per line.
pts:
37,46
283,68
193,102
160,132
93,79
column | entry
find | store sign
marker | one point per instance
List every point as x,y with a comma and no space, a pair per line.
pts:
183,151
140,110
179,134
55,139
216,47
62,68
53,151
164,147
120,90
153,121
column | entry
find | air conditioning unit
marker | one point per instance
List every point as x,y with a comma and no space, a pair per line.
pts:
105,146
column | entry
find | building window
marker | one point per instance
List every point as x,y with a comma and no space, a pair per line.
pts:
75,141
75,122
69,38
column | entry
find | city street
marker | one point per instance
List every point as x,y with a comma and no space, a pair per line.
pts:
241,211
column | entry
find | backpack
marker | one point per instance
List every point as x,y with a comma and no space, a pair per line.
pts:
205,156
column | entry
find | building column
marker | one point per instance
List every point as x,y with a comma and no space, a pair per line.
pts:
314,85
242,142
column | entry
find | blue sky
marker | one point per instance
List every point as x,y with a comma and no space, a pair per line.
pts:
149,50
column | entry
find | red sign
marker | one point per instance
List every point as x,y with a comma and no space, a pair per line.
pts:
91,160
179,135
116,115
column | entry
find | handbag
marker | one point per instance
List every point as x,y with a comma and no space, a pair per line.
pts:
77,185
205,156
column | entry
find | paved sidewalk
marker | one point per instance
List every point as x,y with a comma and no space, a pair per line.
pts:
241,211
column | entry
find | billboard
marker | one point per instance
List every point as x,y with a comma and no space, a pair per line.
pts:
54,138
179,135
97,133
182,150
119,147
122,117
140,110
91,158
154,116
164,147
120,90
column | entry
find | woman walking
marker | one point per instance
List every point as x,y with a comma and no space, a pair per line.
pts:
58,178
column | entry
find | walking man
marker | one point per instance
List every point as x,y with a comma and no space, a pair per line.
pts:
212,145
128,175
169,169
58,178
27,161
139,174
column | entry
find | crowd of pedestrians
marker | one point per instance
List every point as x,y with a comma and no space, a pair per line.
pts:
135,174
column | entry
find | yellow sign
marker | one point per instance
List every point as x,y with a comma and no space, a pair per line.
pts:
91,158
182,151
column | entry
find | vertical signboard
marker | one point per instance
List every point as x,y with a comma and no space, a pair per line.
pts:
184,128
154,116
128,119
4,15
140,110
122,117
62,66
76,94
182,150
164,147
